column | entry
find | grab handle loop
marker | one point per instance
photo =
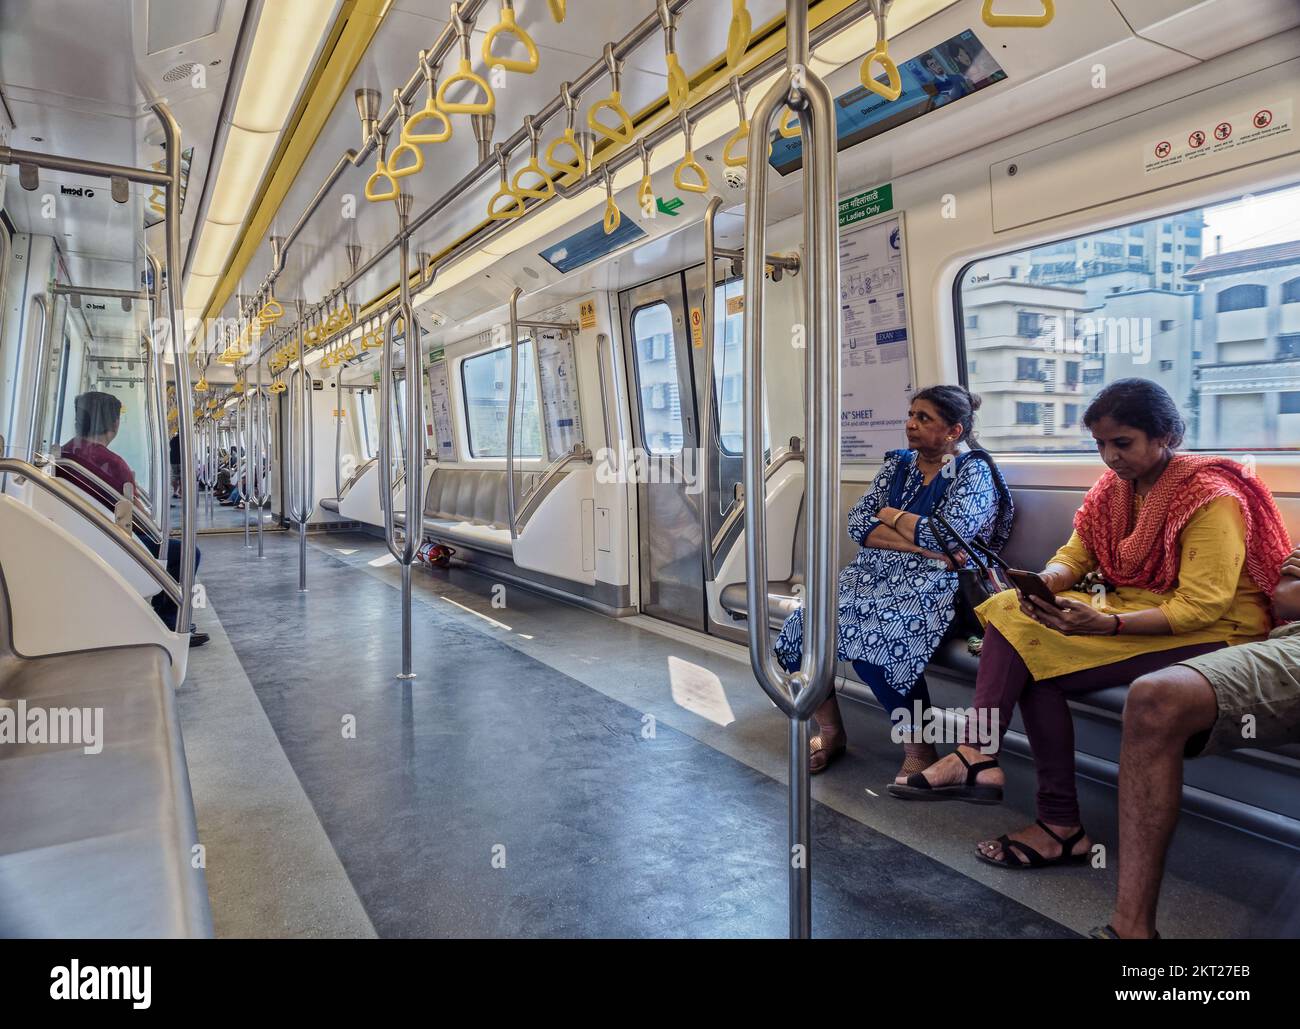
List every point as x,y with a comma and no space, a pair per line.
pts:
679,86
785,128
612,214
396,169
739,32
429,111
559,8
577,166
689,164
623,132
465,73
514,205
645,194
381,174
507,26
543,190
741,135
1018,21
892,88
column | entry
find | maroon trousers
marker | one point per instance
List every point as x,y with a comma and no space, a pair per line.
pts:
1004,681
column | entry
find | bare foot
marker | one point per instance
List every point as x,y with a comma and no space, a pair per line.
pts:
1034,836
949,771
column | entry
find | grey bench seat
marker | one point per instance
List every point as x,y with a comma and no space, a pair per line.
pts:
97,844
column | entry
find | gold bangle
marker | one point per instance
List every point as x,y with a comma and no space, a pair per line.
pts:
894,524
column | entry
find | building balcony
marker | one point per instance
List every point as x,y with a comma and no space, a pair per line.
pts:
1250,377
1231,326
1289,320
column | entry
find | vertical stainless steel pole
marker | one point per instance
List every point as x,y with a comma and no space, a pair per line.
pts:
797,694
162,510
180,353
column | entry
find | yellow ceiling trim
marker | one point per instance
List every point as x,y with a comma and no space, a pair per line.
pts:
354,29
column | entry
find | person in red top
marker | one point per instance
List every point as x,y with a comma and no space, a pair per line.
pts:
99,417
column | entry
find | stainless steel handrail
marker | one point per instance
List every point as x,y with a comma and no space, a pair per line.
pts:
533,498
737,511
602,341
515,325
74,499
114,496
302,460
38,373
797,694
405,549
338,433
648,28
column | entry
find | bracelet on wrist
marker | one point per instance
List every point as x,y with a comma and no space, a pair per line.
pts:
1119,624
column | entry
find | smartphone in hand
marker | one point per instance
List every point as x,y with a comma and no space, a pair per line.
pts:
1031,584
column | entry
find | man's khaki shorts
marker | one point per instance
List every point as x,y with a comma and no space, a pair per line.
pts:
1257,687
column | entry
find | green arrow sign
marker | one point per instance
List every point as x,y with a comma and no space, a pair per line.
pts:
669,207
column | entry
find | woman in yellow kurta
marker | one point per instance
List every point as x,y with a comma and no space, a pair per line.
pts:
1181,554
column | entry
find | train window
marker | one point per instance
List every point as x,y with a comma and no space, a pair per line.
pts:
656,367
1050,325
485,382
369,424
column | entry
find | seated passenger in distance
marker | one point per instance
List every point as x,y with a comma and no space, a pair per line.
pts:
1185,550
898,596
98,419
1247,696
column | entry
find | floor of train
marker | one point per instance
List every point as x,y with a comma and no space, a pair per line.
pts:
513,788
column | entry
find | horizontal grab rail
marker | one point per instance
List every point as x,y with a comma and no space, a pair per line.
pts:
115,496
72,498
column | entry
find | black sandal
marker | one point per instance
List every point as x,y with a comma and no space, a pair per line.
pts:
1033,859
919,788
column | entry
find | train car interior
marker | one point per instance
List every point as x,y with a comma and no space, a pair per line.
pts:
477,557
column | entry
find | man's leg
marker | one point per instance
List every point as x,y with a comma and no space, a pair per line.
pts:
1163,711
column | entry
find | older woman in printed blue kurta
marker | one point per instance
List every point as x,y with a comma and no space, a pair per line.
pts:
895,607
898,596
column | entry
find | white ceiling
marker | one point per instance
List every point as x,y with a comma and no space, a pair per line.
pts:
79,76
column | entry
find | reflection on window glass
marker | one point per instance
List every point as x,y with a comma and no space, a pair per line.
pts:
1218,327
369,425
656,372
485,379
728,367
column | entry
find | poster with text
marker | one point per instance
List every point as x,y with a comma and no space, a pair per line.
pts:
440,403
875,349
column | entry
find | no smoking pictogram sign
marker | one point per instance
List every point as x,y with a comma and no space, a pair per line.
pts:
1196,139
1263,119
1163,149
1223,130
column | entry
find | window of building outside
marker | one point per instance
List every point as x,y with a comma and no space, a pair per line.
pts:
1220,332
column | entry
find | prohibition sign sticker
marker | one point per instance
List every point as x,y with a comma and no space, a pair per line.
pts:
1263,119
1196,139
1163,149
1223,130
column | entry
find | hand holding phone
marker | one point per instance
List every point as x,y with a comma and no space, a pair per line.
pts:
1031,584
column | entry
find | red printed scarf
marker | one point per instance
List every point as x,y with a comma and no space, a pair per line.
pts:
1146,554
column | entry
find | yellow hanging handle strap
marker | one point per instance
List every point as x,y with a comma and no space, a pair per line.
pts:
741,135
380,175
201,386
559,8
613,216
623,132
543,190
404,149
513,206
645,194
689,165
739,32
509,27
679,86
465,73
1018,21
428,112
892,88
785,128
577,166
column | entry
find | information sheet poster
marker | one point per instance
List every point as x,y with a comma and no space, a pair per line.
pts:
875,349
439,402
559,390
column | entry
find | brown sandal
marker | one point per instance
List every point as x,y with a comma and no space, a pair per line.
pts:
820,756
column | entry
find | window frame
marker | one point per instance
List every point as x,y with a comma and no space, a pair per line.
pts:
640,386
